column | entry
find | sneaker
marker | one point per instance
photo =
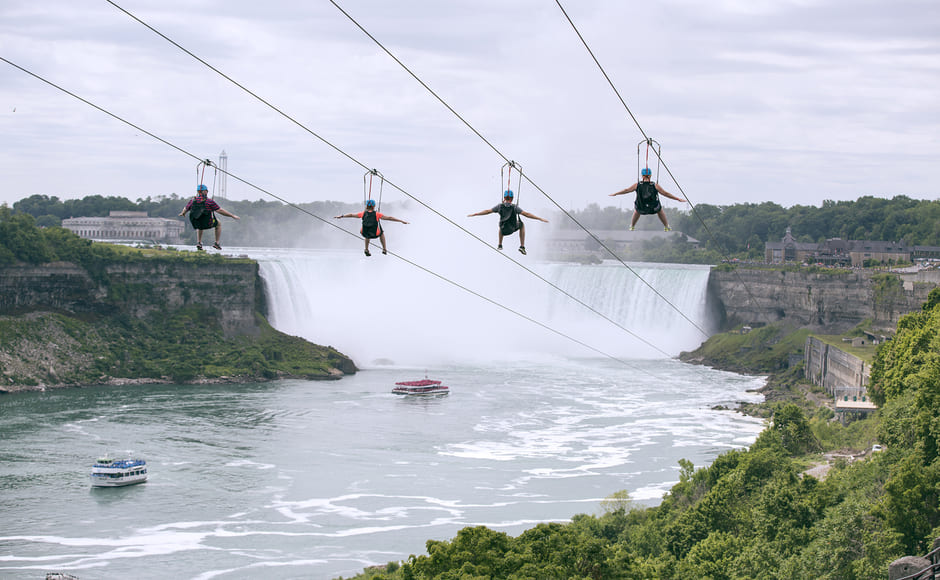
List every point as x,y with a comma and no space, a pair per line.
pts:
217,246
499,247
199,247
632,228
367,253
522,250
667,229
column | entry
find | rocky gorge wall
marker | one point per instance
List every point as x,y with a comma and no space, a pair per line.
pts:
822,300
137,288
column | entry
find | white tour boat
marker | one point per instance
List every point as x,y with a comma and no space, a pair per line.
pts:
108,472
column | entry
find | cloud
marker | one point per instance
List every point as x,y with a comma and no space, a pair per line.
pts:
786,101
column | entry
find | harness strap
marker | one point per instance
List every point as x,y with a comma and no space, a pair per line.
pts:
367,187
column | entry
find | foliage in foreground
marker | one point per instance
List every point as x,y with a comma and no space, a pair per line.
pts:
754,513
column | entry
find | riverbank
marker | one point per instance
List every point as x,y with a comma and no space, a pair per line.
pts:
774,351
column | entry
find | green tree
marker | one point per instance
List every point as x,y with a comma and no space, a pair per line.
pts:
22,239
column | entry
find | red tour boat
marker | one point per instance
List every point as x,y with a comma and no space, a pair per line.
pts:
424,388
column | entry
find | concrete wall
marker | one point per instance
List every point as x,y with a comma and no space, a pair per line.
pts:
832,368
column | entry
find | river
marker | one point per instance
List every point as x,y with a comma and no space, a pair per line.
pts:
299,479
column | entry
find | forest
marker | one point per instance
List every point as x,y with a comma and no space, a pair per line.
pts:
741,230
724,232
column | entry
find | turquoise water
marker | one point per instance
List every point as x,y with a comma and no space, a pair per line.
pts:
297,479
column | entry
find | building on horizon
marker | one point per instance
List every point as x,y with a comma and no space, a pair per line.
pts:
127,226
839,252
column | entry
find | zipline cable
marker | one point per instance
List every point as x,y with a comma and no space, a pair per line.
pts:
416,199
326,221
723,252
505,158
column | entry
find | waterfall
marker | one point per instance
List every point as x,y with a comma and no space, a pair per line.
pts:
381,310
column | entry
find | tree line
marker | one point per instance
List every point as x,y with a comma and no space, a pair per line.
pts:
741,230
264,223
738,230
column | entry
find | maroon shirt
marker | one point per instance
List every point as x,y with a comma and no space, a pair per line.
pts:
211,205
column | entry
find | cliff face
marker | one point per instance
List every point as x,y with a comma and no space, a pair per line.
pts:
823,301
140,319
137,288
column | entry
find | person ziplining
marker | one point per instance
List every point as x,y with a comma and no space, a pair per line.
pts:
371,217
509,212
202,210
647,193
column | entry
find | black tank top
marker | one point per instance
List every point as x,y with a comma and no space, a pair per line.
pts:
646,195
370,223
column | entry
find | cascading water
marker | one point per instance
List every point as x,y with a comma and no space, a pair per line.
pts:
383,311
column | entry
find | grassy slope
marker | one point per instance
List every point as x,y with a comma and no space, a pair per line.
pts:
57,350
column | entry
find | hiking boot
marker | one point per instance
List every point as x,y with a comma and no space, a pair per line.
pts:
367,253
499,247
522,250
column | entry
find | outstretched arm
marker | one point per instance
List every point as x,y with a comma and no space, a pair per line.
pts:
484,212
532,216
667,194
345,215
393,219
223,212
623,191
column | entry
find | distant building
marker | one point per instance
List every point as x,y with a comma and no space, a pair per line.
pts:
788,249
839,252
565,242
124,226
852,403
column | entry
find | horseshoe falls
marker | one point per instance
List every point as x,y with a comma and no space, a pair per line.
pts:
383,310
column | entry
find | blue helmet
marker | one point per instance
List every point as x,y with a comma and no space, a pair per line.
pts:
646,171
370,203
202,187
507,193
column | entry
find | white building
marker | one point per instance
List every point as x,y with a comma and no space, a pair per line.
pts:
127,226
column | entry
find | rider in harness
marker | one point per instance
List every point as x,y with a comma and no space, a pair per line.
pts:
647,199
371,224
509,221
202,215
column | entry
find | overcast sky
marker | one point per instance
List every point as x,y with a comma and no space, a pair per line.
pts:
791,101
